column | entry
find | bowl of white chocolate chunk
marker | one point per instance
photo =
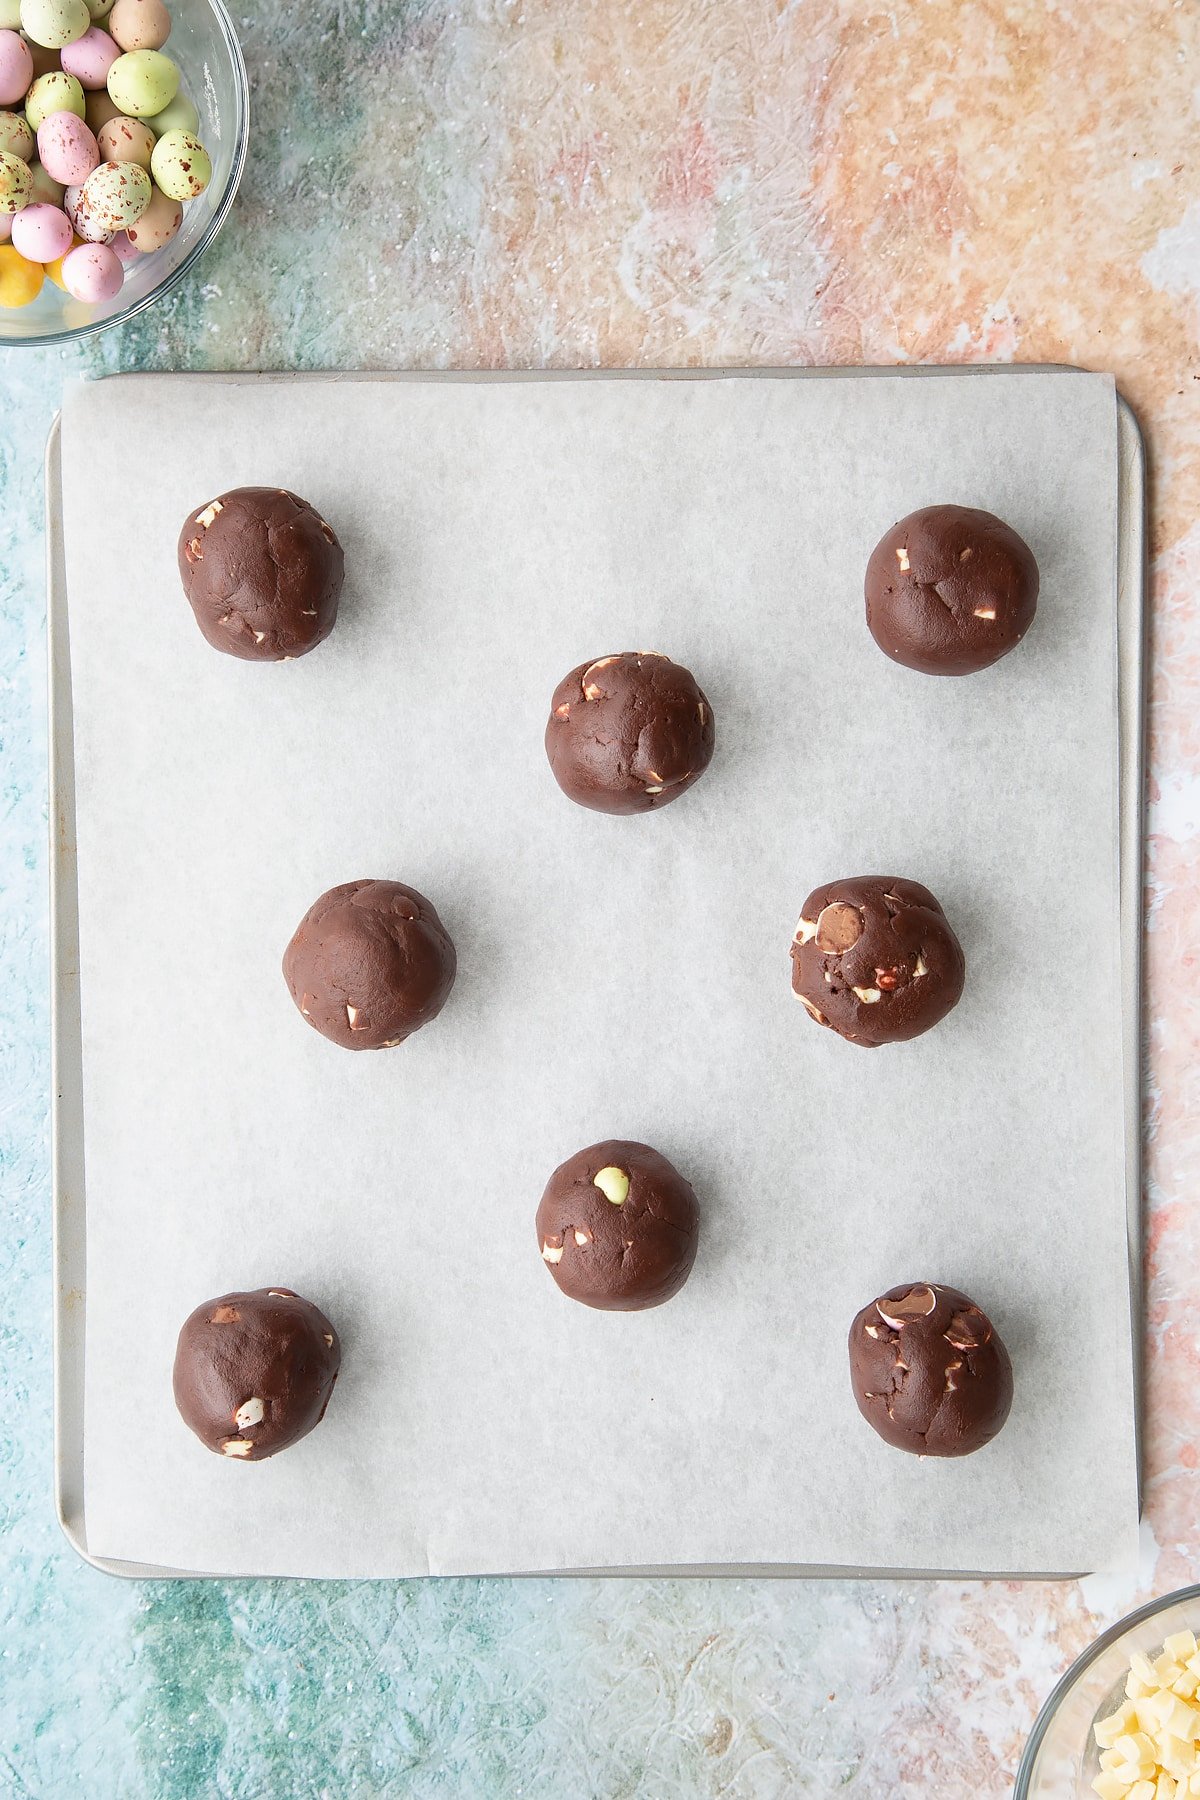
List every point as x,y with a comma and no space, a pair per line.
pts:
1124,1721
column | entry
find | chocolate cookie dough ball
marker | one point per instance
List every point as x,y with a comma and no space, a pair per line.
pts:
254,1372
262,572
874,958
618,1226
929,1372
950,590
628,733
370,963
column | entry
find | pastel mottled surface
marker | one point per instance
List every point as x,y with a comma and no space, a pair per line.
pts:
559,182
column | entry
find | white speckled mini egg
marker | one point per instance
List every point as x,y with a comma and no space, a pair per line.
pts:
113,197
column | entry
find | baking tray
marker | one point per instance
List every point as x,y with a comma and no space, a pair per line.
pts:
69,1206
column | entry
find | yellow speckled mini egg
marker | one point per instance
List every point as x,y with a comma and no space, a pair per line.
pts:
20,281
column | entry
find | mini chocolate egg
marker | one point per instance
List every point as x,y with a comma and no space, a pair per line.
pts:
50,94
16,183
16,139
113,197
54,23
99,107
41,233
20,279
92,273
97,9
67,149
45,190
16,68
45,62
126,140
140,24
90,58
142,82
180,165
181,115
157,225
122,247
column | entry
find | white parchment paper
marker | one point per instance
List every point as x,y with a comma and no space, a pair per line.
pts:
617,977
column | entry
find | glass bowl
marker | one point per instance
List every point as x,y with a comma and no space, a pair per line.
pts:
1061,1758
213,75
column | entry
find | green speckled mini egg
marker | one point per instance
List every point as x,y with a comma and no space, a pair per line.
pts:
45,191
180,165
54,23
16,139
113,197
181,115
99,9
10,15
16,183
142,82
51,94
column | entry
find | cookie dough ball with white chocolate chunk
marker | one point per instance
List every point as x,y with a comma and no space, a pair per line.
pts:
618,1227
950,590
628,733
929,1372
370,963
254,1372
874,958
262,570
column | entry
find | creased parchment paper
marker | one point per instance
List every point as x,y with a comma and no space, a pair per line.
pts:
617,977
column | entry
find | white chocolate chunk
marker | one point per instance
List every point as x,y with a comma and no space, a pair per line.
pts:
237,1447
249,1413
582,1238
209,514
868,996
806,930
552,1253
1150,1747
902,559
985,612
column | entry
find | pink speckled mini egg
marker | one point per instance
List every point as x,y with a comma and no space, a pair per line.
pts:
90,58
16,68
92,273
67,149
41,233
123,249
